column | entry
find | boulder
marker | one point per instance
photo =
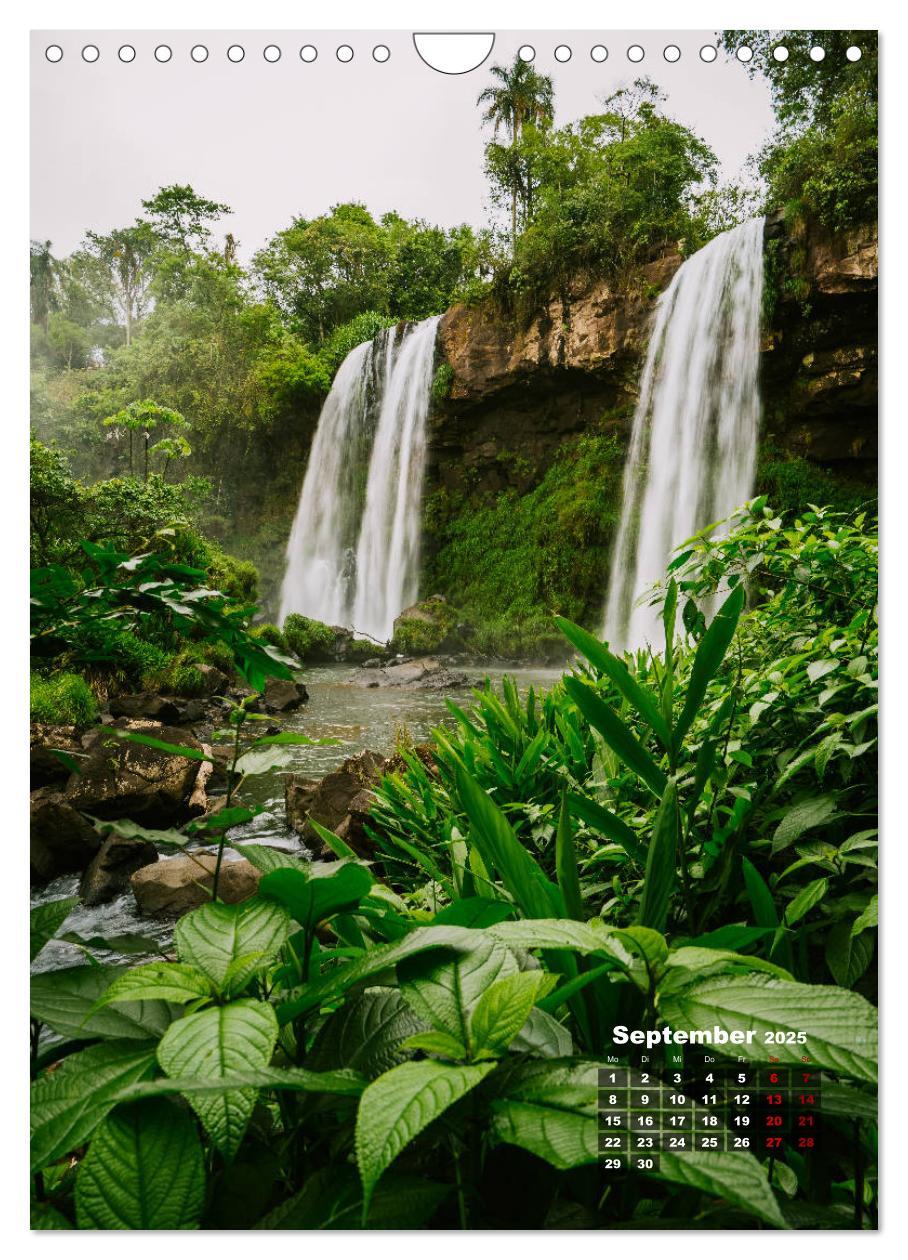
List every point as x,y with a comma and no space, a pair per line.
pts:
282,695
146,704
214,681
170,888
125,780
330,801
298,796
45,767
62,841
107,874
352,828
427,626
427,674
166,709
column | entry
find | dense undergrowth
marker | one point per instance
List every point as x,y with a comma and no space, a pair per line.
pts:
677,839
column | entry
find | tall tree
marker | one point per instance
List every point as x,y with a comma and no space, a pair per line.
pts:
181,219
517,98
44,283
126,255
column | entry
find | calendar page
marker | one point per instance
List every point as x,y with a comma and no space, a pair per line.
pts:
453,683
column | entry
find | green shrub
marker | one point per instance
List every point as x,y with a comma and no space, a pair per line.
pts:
791,483
62,700
441,383
235,578
348,336
270,633
307,638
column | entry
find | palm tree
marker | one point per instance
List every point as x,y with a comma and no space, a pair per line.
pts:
519,96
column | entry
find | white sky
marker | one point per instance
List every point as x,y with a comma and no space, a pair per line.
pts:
275,140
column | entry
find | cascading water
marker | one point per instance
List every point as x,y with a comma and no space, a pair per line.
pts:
353,554
693,446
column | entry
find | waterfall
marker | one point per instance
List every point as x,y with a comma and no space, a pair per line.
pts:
353,554
694,440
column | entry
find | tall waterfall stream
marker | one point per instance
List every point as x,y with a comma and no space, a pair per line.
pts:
694,441
353,554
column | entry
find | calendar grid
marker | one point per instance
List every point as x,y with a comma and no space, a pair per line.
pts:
761,1109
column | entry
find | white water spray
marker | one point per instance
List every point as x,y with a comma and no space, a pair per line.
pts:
694,441
353,554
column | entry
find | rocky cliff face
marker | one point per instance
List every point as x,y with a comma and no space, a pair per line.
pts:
820,347
517,393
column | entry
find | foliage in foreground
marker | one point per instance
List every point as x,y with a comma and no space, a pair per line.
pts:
343,1052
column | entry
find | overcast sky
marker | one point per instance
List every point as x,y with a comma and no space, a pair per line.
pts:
276,140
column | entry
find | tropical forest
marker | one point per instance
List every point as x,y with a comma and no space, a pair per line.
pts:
454,681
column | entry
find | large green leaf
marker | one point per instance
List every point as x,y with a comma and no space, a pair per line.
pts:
848,956
69,1103
661,863
332,1198
213,1044
397,1107
260,759
266,858
143,1170
295,1080
619,737
502,1011
617,672
365,1034
443,993
584,938
550,1109
168,982
699,959
501,851
45,921
214,937
312,899
734,1176
840,1027
375,961
710,655
806,899
803,817
566,865
66,1000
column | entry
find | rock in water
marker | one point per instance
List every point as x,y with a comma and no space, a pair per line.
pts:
283,695
62,841
120,779
107,875
177,885
339,802
421,675
428,626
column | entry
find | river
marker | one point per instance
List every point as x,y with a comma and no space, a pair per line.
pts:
359,717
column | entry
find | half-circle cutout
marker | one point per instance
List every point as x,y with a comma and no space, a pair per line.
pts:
453,52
